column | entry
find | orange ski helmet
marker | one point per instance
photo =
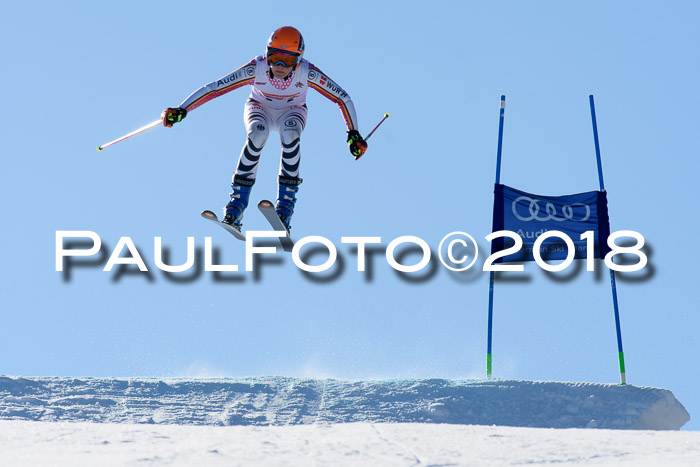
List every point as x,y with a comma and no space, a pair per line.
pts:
286,40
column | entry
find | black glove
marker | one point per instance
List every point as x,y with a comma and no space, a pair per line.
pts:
357,144
171,116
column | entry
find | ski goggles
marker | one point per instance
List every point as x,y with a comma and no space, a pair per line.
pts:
278,57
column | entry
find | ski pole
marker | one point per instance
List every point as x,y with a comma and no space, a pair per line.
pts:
375,128
372,132
135,132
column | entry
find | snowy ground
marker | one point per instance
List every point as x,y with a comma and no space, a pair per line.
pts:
367,444
288,421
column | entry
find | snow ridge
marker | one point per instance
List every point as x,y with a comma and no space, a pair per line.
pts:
279,401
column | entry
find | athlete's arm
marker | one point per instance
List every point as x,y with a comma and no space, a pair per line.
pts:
240,77
328,88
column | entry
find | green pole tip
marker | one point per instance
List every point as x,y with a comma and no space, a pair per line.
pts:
386,115
99,148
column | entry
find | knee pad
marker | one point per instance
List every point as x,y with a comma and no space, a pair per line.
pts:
291,131
258,134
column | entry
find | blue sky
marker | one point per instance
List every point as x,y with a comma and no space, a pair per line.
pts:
81,74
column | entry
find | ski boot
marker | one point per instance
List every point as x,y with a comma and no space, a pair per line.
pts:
240,194
287,198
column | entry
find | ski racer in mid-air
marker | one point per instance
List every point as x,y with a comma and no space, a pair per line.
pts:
277,102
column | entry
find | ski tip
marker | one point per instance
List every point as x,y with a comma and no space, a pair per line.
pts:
209,215
265,204
386,115
99,148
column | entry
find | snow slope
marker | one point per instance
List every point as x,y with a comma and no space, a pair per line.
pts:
288,421
279,401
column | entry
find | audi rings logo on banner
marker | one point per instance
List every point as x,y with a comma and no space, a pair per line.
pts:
550,211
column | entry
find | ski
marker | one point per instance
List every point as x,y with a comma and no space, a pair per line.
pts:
268,210
230,229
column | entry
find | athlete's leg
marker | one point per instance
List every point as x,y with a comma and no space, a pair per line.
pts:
291,125
257,122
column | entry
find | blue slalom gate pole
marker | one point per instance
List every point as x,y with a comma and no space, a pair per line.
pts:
620,353
597,144
500,138
489,358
